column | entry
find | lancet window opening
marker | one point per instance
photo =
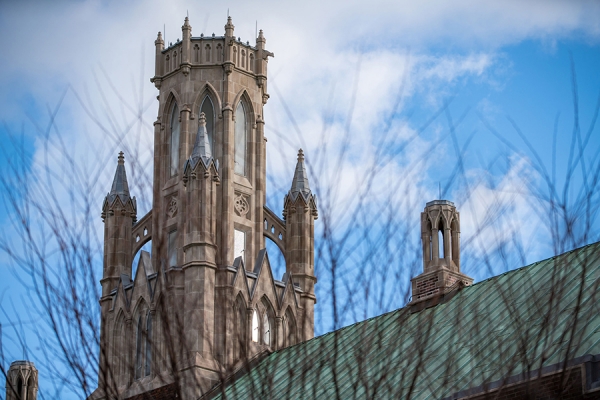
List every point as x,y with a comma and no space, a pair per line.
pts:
29,393
430,243
172,249
138,349
239,244
454,244
208,109
266,329
174,140
289,329
219,53
440,235
449,252
255,327
148,369
239,311
19,386
240,140
207,53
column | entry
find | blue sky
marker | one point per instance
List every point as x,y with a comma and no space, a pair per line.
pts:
488,63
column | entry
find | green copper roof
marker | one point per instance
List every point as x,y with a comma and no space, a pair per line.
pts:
523,320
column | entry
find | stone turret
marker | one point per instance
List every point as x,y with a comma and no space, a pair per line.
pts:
119,213
440,236
201,179
159,45
300,213
22,381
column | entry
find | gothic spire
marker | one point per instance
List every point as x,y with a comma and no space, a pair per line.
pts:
120,187
201,149
300,182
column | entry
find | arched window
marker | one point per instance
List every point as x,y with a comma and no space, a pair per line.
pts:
251,62
148,344
138,349
254,326
196,53
239,351
290,329
19,386
266,330
219,53
29,394
174,143
440,234
172,249
240,140
207,53
208,110
429,255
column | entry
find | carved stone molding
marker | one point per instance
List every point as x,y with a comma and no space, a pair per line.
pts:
241,204
172,207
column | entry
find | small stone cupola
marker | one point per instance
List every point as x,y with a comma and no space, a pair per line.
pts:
440,237
22,381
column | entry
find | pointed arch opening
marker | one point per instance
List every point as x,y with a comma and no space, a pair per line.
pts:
429,243
239,337
139,343
268,322
29,394
118,355
455,242
440,235
19,385
149,345
175,130
255,326
266,330
139,259
240,139
276,258
290,329
208,109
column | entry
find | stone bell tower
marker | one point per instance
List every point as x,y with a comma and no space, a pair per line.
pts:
440,236
21,381
204,301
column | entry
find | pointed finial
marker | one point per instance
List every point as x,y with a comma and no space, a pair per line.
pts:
229,27
120,186
300,182
159,36
201,150
260,40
